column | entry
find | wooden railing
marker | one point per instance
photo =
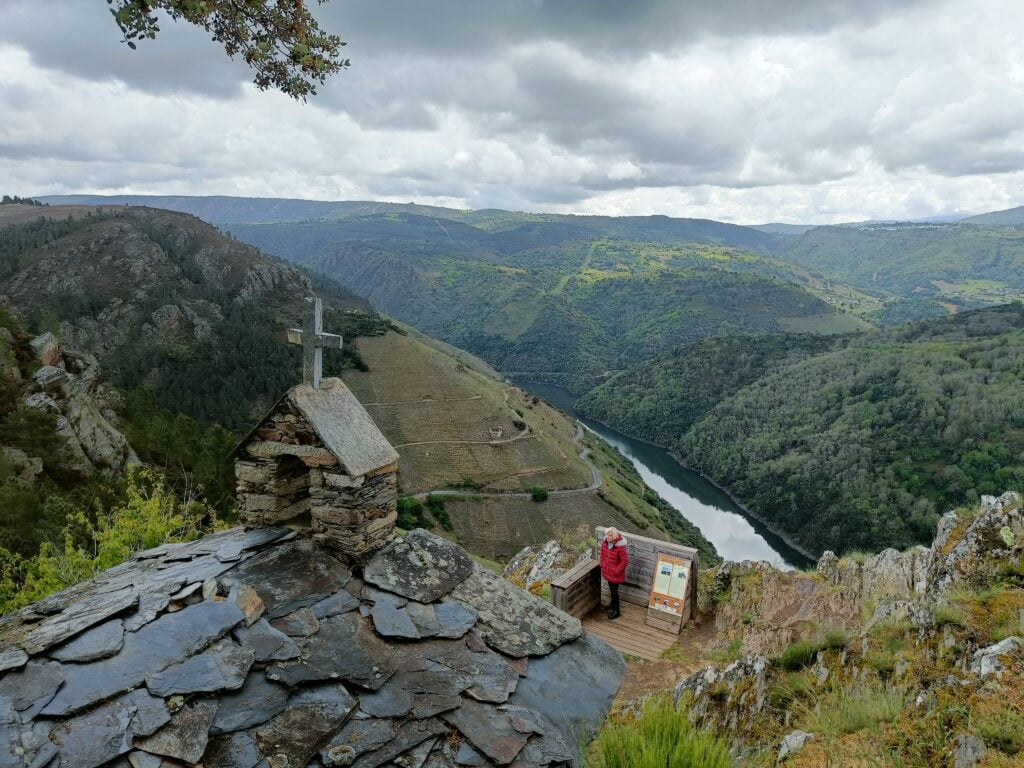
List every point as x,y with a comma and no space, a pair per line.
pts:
578,590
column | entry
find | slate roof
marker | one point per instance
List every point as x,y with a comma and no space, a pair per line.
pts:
255,648
341,421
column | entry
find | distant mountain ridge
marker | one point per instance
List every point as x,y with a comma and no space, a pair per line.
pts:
224,211
1011,217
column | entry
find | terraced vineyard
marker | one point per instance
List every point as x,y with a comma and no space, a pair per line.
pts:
442,408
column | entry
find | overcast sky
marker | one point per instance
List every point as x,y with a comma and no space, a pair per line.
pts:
740,110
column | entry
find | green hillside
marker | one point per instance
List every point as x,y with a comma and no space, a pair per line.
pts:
1011,217
962,264
857,443
550,300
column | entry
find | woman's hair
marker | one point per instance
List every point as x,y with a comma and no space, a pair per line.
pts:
612,530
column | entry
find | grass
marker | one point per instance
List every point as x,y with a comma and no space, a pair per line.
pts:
661,737
945,614
835,639
798,655
851,709
791,688
728,654
1001,730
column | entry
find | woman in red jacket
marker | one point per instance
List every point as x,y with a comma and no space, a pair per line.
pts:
614,559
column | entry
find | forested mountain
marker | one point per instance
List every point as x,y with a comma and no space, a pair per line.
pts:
851,443
168,303
960,264
551,300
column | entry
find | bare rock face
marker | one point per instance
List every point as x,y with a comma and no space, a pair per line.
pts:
85,410
534,568
970,551
740,691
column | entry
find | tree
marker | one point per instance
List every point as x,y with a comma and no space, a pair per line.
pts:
279,39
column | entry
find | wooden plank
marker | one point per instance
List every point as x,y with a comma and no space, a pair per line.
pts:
629,634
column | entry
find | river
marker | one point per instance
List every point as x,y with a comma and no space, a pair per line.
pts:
736,535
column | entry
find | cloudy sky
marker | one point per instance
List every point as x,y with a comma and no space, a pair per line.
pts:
740,110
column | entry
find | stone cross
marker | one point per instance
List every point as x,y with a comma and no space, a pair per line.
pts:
313,341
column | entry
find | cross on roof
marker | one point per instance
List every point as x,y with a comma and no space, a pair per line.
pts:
313,341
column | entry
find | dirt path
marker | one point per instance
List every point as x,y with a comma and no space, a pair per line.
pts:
504,441
595,476
684,658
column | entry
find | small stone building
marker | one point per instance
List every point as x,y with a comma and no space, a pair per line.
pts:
319,454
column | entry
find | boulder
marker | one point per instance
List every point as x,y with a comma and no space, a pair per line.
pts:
23,467
791,744
970,552
968,750
986,661
512,620
51,377
422,566
46,349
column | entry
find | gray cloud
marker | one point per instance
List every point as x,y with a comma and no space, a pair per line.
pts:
739,110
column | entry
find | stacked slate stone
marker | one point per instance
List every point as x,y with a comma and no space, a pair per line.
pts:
257,648
319,455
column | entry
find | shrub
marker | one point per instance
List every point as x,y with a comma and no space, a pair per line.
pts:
790,688
798,655
727,654
538,493
410,514
149,514
660,737
436,506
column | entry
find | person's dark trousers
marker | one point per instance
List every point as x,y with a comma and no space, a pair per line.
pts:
613,606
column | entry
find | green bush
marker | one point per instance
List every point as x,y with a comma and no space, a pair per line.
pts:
147,515
945,614
410,514
436,506
538,493
798,655
662,737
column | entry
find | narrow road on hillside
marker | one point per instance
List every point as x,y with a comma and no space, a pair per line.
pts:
503,441
595,475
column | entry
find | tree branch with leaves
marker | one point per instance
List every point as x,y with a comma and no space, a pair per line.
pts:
279,39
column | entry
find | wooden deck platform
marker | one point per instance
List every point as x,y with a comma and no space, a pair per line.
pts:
628,633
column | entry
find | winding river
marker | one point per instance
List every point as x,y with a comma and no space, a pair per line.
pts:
736,535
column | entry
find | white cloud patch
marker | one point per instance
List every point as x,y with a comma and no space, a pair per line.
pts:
815,111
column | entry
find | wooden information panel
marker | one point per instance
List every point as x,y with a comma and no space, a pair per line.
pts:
669,593
644,554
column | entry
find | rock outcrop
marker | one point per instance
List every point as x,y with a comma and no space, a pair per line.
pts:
889,614
86,410
257,647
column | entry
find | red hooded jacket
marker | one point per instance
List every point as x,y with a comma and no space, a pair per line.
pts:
614,560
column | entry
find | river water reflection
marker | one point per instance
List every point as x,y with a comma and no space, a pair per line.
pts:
735,535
